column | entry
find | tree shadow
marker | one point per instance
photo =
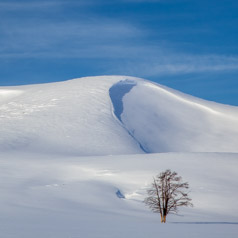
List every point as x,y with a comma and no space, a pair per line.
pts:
207,223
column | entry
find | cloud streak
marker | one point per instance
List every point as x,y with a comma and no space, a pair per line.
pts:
102,39
105,40
186,64
67,39
30,5
26,5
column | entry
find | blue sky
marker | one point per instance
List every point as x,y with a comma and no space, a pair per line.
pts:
189,45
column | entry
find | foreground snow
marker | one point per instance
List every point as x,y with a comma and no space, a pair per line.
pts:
52,196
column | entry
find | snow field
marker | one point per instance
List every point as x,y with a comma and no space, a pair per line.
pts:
76,196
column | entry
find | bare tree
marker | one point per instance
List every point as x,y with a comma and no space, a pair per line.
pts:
167,194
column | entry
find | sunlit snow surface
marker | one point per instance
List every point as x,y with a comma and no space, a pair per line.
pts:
73,160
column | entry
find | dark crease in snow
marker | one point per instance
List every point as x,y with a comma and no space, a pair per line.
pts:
119,194
116,93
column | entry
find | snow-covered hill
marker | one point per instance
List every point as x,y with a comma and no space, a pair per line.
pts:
112,115
76,158
72,117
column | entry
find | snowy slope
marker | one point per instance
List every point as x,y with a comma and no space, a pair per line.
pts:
112,115
164,120
76,158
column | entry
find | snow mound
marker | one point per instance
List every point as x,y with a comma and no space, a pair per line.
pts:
164,120
112,115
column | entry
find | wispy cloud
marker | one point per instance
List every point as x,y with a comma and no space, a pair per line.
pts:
39,5
98,38
27,5
53,40
105,40
138,1
184,64
168,63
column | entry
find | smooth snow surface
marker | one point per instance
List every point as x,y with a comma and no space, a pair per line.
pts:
76,158
58,197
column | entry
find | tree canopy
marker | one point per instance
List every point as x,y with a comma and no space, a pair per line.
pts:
167,194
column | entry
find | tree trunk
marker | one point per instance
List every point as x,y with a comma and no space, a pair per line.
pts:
163,218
